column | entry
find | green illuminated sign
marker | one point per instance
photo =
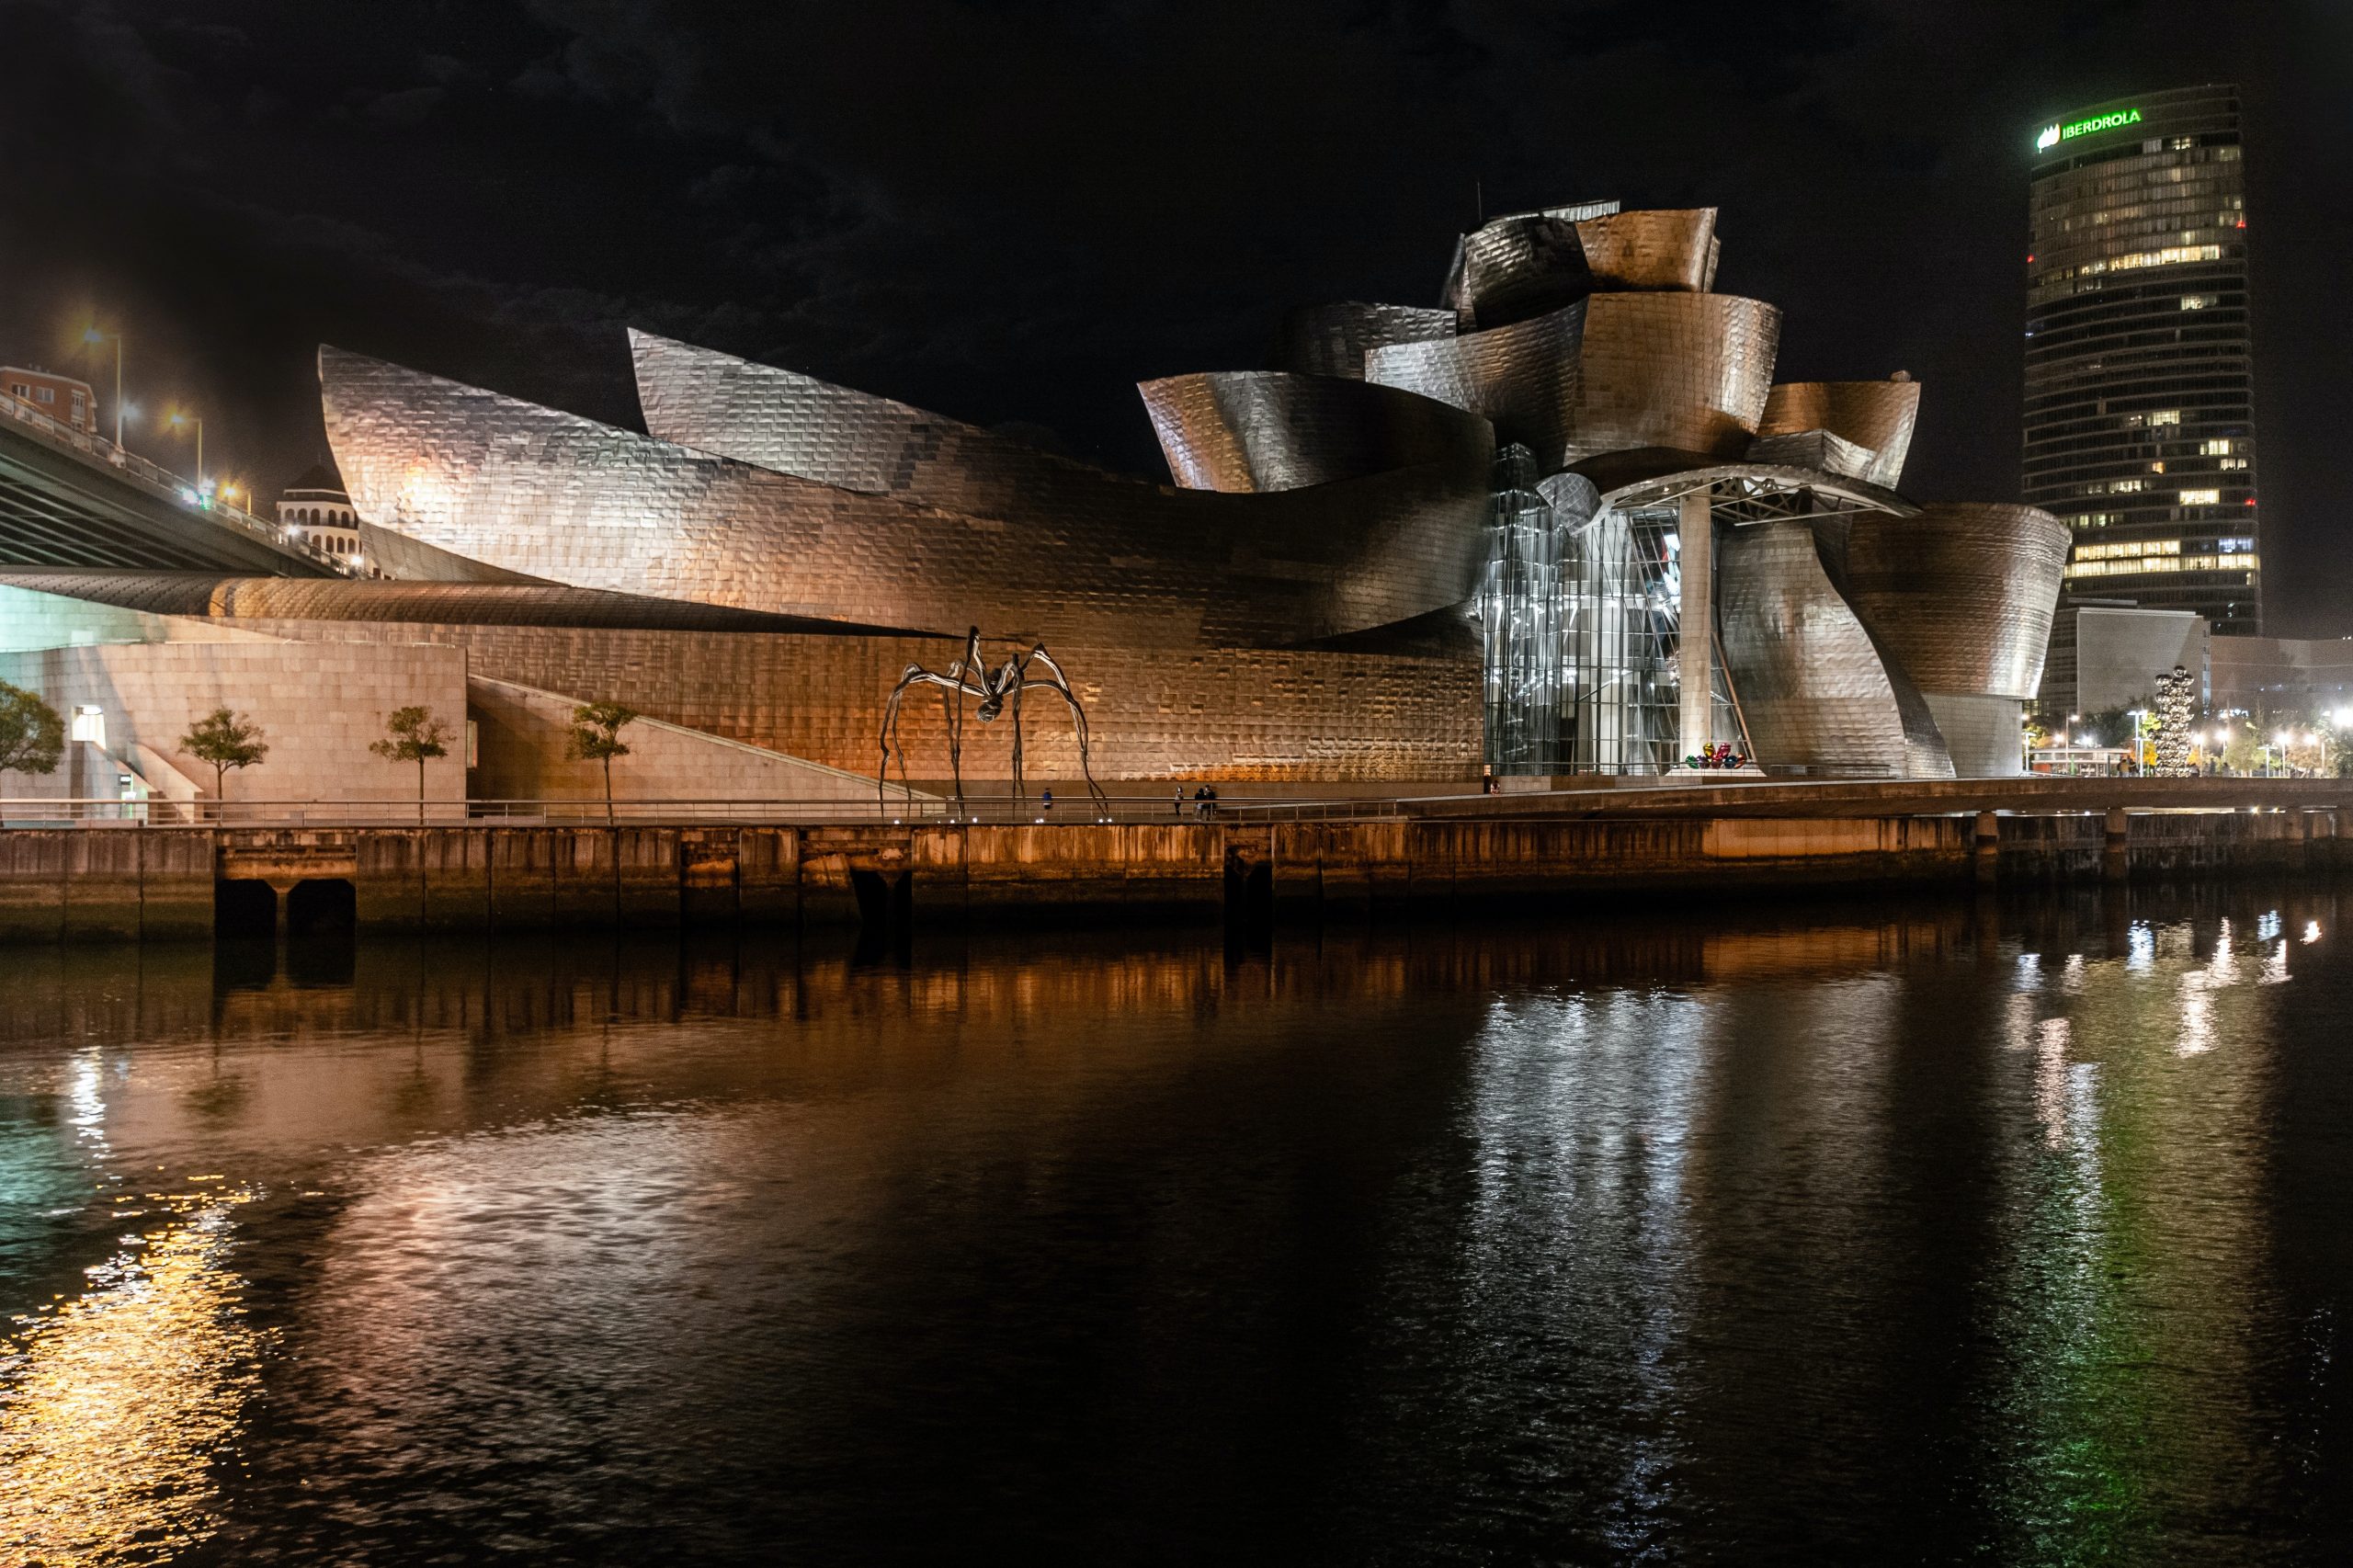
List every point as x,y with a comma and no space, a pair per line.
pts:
2050,136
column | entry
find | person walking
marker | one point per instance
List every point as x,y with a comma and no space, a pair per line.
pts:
1176,805
1046,801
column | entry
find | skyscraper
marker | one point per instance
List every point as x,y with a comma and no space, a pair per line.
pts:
2140,409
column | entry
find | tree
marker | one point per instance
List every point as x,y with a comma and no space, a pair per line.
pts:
226,740
596,737
32,737
414,734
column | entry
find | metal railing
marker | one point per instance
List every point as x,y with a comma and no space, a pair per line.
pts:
163,482
594,812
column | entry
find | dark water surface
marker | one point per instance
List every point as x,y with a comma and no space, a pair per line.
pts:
1828,1233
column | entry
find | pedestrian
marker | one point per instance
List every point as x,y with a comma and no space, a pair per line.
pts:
1176,805
1212,807
1046,801
1200,801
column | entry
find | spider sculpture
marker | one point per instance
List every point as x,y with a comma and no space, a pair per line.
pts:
997,691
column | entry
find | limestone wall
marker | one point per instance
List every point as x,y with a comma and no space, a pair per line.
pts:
319,705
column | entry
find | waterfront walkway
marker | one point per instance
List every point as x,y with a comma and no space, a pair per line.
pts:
1071,806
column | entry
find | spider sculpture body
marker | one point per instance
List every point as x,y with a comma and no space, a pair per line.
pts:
996,692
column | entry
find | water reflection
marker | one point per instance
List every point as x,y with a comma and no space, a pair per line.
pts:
117,1403
1814,1232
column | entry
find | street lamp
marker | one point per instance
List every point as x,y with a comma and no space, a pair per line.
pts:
2135,715
176,419
93,335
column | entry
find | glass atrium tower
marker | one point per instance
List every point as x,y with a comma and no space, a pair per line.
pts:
2139,411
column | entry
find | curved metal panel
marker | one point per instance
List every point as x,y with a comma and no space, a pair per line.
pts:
1962,594
789,423
1815,688
1515,268
1524,378
1654,249
1982,732
1334,339
1878,415
1259,430
1613,373
1086,555
410,602
1689,371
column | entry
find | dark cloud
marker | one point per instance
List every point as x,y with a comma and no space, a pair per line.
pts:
1013,211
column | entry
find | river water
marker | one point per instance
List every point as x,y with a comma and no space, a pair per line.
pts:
1812,1232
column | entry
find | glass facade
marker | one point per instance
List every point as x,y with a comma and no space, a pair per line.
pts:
1580,609
2139,413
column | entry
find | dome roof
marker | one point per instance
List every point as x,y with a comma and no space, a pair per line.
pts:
319,479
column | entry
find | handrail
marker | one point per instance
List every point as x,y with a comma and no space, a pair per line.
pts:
2034,792
170,486
1072,808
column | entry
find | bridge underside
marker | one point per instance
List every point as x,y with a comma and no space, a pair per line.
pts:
61,509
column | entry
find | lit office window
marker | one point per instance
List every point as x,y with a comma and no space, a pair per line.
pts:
2201,497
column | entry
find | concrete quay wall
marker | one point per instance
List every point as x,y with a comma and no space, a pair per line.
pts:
102,883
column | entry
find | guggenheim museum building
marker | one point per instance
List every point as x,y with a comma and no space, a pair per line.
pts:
1563,521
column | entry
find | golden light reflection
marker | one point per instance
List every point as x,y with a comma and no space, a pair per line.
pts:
113,1410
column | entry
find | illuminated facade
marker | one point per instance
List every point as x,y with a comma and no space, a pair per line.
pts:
2139,411
1563,521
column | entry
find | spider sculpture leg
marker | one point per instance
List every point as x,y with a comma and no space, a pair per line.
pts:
1060,682
890,734
951,707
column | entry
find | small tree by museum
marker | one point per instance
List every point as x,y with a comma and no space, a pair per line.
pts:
226,740
414,734
596,737
32,737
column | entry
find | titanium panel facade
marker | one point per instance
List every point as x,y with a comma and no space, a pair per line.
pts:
1879,417
1523,379
488,604
1242,431
1275,714
1688,372
1333,340
1515,269
1818,692
1652,249
1962,593
564,499
788,423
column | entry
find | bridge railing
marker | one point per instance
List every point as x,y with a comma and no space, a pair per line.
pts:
166,484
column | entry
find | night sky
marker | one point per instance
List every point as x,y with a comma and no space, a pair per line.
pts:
1011,212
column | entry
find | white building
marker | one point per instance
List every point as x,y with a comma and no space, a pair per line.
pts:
317,507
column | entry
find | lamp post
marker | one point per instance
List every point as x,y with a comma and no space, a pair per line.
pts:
179,419
93,335
2134,716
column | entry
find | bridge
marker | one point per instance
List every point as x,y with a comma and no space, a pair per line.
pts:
69,499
